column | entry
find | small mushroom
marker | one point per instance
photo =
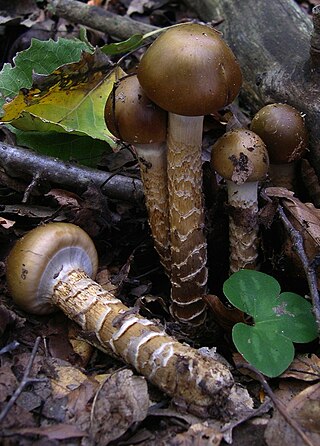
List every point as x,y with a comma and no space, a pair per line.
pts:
240,156
190,72
283,130
132,117
46,268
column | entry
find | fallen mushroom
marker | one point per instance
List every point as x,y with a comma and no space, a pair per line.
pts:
190,72
283,130
49,268
132,117
240,156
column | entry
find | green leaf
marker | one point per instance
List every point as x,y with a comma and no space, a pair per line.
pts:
279,320
297,320
83,149
263,348
250,291
130,44
42,57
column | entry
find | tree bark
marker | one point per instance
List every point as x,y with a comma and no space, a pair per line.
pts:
271,40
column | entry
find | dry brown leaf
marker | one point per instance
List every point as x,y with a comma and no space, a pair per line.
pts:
304,409
56,432
197,435
305,367
225,316
67,379
121,401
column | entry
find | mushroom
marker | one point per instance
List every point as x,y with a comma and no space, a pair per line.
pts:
283,130
240,156
132,117
190,72
49,267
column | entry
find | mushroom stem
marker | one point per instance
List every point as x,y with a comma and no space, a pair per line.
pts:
243,225
186,217
153,168
57,254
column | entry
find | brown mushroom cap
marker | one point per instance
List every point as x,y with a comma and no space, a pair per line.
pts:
189,70
131,116
282,129
239,156
43,255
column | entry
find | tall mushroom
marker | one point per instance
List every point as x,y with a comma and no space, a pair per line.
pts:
283,130
49,267
240,156
190,72
132,117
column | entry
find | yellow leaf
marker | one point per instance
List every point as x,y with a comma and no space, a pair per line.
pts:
71,99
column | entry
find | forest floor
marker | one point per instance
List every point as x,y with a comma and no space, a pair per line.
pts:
55,388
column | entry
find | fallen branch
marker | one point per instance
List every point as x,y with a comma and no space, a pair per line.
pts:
19,162
98,18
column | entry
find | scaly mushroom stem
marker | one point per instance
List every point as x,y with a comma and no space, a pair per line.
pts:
243,225
186,217
45,269
153,168
177,369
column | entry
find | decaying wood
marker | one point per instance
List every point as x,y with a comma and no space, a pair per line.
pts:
24,163
271,40
200,382
99,19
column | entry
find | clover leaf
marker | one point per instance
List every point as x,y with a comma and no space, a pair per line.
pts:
278,320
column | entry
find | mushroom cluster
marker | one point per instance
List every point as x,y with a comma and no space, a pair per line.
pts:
188,71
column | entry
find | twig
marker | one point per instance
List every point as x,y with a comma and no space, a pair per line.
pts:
308,267
26,379
278,404
18,161
98,18
9,347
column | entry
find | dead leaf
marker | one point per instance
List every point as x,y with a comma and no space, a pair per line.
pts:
225,316
121,401
304,409
305,367
197,435
56,432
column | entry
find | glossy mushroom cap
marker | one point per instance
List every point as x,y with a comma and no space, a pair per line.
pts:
240,156
132,117
189,70
282,129
42,257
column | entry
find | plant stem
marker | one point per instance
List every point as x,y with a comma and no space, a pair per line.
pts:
186,216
